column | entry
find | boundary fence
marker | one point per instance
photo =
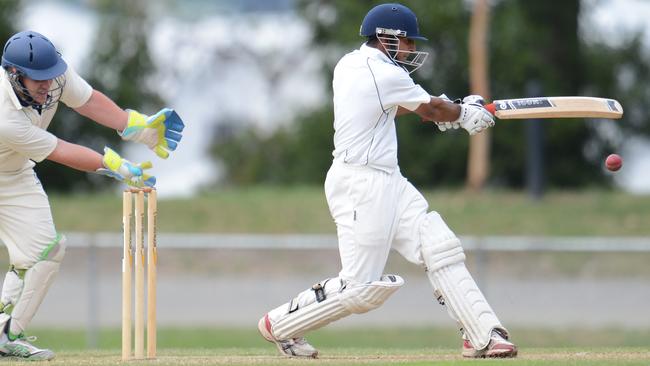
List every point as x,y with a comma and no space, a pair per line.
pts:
479,246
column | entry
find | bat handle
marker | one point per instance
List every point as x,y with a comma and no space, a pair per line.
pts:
491,108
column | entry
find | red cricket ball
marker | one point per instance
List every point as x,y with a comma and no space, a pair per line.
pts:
613,162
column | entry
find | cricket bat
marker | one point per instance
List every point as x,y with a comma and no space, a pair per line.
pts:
556,107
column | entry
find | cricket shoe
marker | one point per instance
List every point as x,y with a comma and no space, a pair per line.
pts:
21,348
294,347
498,347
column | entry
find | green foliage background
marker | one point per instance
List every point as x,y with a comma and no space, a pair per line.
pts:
532,46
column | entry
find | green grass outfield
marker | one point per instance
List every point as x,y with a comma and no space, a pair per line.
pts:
303,209
356,347
364,356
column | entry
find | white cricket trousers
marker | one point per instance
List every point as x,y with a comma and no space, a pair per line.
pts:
374,211
26,225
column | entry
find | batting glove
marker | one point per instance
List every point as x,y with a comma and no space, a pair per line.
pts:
125,171
473,117
160,132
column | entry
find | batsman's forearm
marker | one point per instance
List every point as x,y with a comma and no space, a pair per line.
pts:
402,111
104,111
76,156
439,110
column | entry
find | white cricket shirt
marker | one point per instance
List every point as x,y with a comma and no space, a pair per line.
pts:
368,88
23,135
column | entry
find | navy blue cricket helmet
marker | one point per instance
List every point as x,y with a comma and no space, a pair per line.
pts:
395,17
33,55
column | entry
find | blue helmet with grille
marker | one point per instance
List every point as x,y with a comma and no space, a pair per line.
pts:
30,54
394,18
389,23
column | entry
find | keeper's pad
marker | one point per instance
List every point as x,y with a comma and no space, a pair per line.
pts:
35,283
328,301
11,288
454,286
4,318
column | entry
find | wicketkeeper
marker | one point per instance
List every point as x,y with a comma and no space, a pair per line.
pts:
375,208
34,79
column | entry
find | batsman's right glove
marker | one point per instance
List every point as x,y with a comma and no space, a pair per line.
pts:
444,126
125,171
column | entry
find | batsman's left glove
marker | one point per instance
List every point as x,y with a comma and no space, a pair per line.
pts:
161,132
125,171
473,117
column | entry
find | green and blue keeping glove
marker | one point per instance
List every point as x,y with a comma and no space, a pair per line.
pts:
125,171
161,132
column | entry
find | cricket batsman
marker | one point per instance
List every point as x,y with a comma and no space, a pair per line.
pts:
376,209
34,79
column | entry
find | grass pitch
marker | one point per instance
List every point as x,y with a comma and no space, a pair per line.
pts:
360,356
383,346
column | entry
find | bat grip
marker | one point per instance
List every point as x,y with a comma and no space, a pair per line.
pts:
491,108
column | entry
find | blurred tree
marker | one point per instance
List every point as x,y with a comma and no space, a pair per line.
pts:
119,66
530,42
623,72
8,18
300,154
528,47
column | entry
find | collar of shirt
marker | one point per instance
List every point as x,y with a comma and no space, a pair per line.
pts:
373,52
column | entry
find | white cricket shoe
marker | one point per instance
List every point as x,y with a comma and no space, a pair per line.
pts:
294,347
499,347
22,348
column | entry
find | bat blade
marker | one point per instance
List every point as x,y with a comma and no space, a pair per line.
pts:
556,107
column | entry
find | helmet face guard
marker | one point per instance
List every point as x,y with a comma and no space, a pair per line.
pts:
53,95
390,39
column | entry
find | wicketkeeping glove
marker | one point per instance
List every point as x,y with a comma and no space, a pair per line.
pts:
160,132
473,117
125,171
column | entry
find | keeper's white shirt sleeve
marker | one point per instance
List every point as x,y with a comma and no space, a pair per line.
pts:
77,91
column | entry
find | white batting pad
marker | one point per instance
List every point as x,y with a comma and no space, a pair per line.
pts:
463,299
455,287
359,298
328,301
440,246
